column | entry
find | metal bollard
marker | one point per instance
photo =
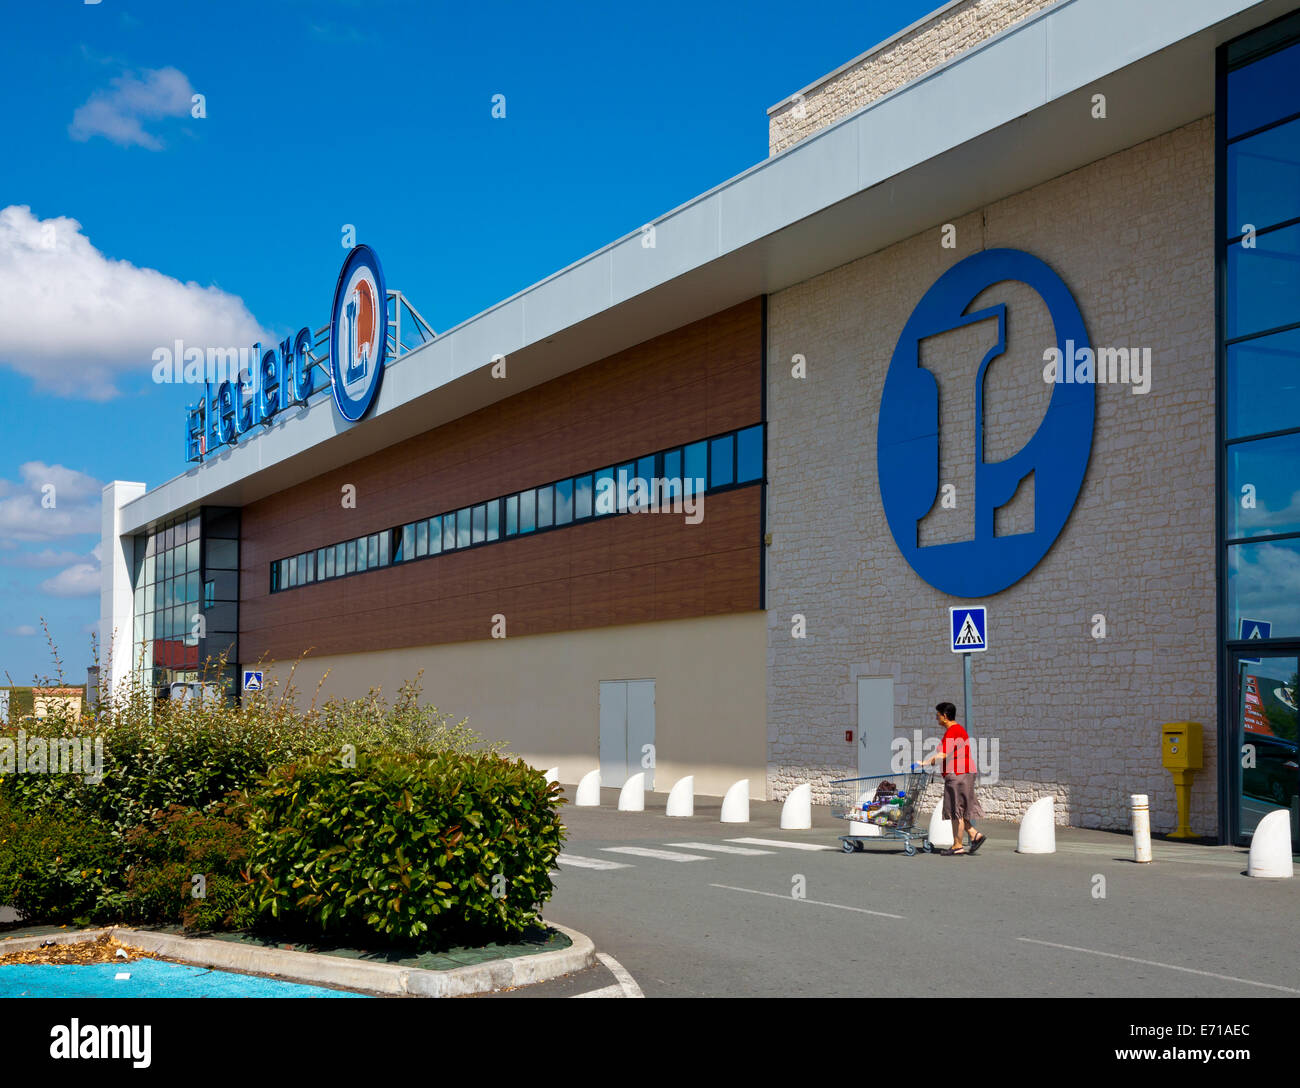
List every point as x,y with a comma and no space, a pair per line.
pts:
1141,827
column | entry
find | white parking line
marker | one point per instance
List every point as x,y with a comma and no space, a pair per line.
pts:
591,863
625,980
812,902
1166,966
647,852
787,845
721,848
605,991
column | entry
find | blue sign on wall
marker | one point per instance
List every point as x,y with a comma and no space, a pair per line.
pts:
358,333
1254,629
907,445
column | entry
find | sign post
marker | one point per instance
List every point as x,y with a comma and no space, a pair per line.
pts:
968,634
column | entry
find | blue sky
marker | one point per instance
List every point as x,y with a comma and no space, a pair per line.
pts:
126,222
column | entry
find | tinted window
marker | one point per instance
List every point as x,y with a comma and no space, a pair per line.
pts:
749,454
545,506
1265,91
527,511
435,536
1263,386
582,497
448,532
1264,282
480,524
605,498
512,515
463,531
1253,577
564,502
1262,487
494,519
421,538
696,466
722,468
1264,179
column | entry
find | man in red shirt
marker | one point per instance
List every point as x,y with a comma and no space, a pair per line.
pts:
958,780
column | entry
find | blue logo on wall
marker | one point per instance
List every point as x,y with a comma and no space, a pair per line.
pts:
907,446
358,333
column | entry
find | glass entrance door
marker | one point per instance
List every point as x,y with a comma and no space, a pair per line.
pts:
1268,773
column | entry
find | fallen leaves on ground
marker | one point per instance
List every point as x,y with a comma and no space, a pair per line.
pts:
101,950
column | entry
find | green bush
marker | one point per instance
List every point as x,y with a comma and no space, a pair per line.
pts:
168,854
407,848
157,816
56,866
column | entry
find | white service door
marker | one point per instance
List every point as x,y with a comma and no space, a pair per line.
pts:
627,725
875,724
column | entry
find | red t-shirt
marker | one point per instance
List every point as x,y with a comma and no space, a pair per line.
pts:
956,752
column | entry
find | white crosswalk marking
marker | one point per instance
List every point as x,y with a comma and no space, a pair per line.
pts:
721,848
591,863
787,845
647,852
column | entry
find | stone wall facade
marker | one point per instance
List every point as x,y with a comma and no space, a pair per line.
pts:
1074,715
949,31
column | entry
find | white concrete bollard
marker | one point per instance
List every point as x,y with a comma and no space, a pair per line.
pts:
1038,828
588,789
1270,847
553,775
796,813
681,798
1141,827
631,798
735,805
940,829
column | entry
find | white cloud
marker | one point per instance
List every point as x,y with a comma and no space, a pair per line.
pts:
76,320
26,513
25,631
46,557
79,580
120,111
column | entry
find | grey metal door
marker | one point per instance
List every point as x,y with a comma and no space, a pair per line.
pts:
627,731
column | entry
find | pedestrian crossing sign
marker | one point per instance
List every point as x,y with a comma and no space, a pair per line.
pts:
968,627
252,680
1254,629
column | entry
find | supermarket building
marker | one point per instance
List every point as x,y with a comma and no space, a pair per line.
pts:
1010,316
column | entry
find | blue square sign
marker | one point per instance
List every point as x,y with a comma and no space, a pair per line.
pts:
252,680
968,629
1254,629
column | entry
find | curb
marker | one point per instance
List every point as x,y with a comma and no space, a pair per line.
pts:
311,967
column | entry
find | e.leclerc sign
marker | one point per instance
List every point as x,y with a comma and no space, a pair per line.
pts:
907,444
358,353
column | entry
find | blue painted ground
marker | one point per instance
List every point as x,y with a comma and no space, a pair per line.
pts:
149,978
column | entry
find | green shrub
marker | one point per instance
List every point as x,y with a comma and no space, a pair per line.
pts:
56,866
408,848
168,854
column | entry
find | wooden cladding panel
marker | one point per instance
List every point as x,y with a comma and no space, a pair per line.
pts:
678,388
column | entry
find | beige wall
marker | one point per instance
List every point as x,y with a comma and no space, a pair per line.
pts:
1132,237
540,694
951,30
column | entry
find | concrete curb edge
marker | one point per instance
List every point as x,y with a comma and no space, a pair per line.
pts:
311,967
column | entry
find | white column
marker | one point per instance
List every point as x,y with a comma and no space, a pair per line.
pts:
115,598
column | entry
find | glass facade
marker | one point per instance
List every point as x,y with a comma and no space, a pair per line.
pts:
1258,194
185,585
656,480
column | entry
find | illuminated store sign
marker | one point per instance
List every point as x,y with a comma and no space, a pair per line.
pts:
283,378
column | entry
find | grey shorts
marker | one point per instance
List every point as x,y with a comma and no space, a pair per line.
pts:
959,797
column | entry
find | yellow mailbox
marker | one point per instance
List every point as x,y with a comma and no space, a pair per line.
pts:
1180,752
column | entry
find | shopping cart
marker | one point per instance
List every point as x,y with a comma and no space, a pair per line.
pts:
881,807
